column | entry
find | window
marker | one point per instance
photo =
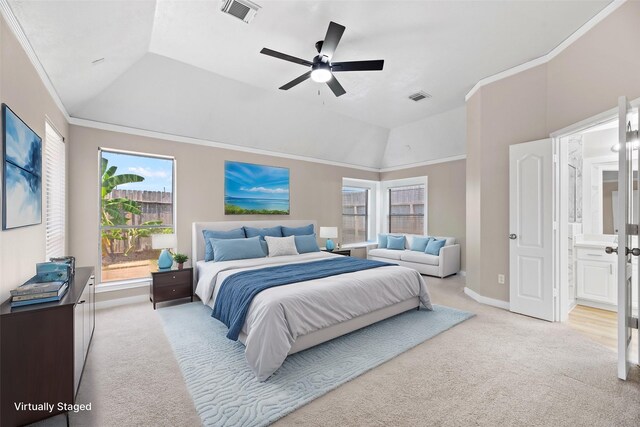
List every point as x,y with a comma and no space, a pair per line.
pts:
54,163
137,200
355,214
406,209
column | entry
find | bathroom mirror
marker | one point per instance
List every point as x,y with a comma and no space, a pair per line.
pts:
610,199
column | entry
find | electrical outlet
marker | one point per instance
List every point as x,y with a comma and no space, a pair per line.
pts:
501,279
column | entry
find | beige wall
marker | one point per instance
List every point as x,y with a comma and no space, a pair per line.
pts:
23,91
446,198
585,79
315,188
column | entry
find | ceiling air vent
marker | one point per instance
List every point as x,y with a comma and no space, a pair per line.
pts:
419,96
244,10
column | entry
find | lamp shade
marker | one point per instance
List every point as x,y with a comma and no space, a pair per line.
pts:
163,241
329,232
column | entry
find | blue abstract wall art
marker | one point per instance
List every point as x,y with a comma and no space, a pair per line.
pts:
255,189
22,173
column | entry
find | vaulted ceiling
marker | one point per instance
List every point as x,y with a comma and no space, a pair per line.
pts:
185,68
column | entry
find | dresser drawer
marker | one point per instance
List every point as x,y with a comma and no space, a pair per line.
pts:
167,293
172,278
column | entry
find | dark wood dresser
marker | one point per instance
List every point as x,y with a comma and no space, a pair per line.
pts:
43,350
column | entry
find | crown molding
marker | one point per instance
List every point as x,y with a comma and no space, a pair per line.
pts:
18,32
188,140
425,163
600,16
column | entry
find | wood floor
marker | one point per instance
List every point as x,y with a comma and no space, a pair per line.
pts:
600,326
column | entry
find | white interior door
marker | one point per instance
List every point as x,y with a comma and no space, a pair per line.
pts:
531,229
629,206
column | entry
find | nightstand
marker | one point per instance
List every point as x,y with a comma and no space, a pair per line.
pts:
170,284
345,252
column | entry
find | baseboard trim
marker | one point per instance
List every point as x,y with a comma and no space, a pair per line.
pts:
116,302
486,300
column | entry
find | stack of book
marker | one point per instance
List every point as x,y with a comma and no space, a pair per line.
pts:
35,292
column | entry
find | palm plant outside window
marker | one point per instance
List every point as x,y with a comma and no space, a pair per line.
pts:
406,209
137,200
355,214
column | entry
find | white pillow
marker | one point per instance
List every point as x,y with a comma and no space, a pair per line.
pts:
279,246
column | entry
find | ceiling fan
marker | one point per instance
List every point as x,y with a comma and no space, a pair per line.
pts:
322,68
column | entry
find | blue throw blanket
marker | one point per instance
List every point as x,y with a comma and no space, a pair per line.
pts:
238,290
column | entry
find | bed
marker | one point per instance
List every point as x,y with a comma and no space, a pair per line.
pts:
287,319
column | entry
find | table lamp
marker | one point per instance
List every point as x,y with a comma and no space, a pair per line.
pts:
329,233
164,242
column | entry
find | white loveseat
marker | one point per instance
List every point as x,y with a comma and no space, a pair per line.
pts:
443,265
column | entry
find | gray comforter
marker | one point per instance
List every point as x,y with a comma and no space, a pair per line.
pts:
277,316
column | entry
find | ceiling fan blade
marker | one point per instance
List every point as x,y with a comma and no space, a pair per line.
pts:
331,40
375,65
286,57
336,87
296,81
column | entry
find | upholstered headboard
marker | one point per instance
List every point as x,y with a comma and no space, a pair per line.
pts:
197,239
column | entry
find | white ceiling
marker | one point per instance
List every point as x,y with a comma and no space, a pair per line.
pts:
442,47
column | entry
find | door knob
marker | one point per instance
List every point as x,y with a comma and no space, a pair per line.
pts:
627,251
513,236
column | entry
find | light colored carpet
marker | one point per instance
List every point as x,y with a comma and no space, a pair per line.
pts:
497,368
226,392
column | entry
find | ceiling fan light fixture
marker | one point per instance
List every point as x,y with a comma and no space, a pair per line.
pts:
320,74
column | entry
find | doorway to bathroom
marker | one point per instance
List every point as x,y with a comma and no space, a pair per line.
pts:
587,223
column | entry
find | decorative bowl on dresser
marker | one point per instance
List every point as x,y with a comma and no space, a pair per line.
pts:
171,284
44,349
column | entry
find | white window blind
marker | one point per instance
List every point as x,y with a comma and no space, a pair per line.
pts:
54,163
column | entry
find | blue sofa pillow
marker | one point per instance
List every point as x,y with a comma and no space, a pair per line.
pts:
382,240
306,244
261,232
434,246
237,233
297,231
395,242
419,243
230,249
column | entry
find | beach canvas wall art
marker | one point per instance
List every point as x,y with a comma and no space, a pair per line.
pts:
22,173
255,189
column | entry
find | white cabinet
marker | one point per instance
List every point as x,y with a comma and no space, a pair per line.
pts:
597,275
597,281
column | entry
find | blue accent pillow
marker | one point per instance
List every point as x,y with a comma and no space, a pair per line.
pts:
382,240
237,233
434,246
395,242
230,249
261,232
297,231
419,243
306,244
265,247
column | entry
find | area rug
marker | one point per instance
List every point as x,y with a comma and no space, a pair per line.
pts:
225,391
